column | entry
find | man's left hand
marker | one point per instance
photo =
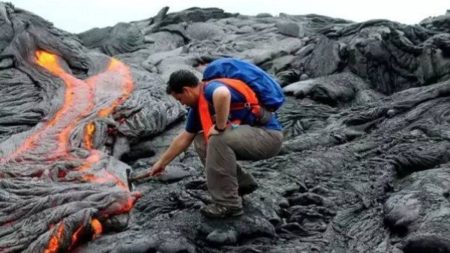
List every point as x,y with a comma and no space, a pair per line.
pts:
213,131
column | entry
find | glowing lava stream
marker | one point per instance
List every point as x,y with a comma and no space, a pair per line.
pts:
83,100
99,95
77,99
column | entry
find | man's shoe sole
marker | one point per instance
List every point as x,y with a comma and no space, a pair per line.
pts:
221,215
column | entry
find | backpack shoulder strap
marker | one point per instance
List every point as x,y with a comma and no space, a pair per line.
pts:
245,90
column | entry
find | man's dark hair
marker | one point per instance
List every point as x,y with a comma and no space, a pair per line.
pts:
180,79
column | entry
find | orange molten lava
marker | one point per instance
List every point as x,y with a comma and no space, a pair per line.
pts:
78,100
95,97
105,177
76,236
53,244
88,134
48,61
96,227
115,65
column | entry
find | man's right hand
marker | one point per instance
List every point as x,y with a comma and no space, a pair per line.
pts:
157,169
178,145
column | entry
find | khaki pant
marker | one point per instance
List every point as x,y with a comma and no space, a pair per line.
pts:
223,174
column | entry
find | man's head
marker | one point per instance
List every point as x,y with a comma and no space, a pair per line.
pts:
184,86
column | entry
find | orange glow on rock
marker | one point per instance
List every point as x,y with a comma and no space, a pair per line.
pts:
113,64
126,89
83,101
53,244
123,206
76,236
105,112
88,135
48,61
104,177
130,202
97,228
77,102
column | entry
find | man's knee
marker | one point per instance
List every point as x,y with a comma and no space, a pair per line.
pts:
199,141
200,146
219,139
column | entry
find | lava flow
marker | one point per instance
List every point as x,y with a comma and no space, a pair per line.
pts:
49,143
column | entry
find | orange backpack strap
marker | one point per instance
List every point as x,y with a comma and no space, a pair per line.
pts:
252,103
251,99
203,111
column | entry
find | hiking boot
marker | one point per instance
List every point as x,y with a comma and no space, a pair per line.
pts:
216,211
247,189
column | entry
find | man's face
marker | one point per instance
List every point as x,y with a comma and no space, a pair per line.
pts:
187,97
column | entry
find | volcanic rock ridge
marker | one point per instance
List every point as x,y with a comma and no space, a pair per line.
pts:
364,165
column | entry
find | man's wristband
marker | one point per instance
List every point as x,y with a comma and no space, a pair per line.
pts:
219,130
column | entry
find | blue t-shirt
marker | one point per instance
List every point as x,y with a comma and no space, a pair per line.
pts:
193,124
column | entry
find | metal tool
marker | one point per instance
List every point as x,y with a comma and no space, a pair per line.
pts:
133,178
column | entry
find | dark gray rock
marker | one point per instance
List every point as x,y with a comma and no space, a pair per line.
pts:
119,39
289,29
195,15
325,59
338,89
219,237
419,195
264,15
155,22
439,23
363,168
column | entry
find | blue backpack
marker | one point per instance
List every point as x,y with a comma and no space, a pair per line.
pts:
269,92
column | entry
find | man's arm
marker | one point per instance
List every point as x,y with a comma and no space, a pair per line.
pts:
221,101
182,141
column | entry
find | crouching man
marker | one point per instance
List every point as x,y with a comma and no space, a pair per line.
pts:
224,128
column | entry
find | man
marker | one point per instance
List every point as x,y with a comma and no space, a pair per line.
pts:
222,143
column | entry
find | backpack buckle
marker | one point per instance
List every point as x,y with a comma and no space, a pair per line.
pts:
247,105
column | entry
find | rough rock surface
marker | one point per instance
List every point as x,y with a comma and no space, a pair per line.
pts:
365,165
